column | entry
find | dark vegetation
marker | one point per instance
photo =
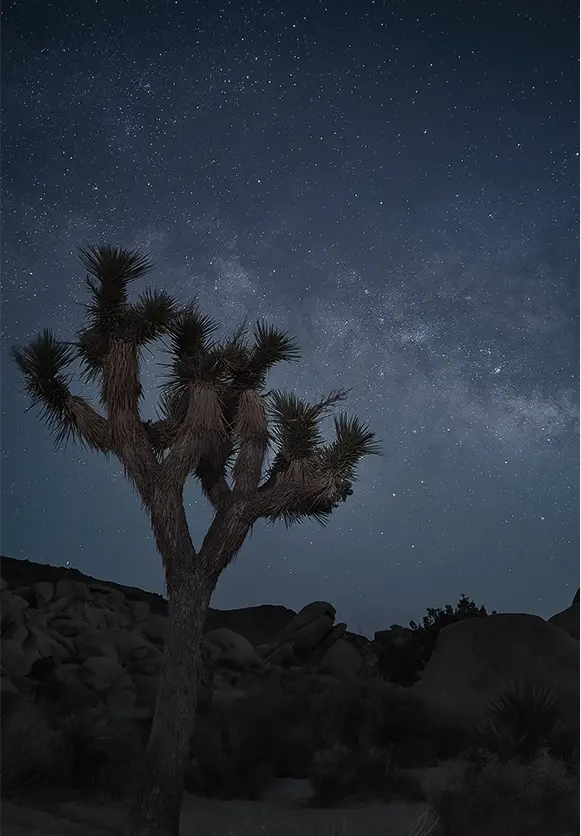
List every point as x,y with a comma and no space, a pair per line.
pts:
403,660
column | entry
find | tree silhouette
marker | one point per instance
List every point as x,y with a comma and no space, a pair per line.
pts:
215,423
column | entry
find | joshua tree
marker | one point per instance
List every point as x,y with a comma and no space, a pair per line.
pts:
255,455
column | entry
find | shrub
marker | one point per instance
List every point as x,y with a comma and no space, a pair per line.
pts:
32,752
106,752
538,798
403,663
564,745
521,721
90,751
341,774
238,750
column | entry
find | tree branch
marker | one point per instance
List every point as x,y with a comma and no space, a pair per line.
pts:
224,539
130,440
88,425
199,435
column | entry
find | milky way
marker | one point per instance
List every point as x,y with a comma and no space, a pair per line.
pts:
393,183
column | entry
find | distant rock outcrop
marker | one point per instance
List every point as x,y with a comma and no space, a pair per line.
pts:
476,658
84,640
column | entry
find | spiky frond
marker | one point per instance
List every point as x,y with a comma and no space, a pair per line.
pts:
353,441
248,364
519,721
110,270
190,331
296,424
151,316
43,364
92,347
114,265
194,359
271,346
310,483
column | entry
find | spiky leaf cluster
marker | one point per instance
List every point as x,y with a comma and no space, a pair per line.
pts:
215,421
520,721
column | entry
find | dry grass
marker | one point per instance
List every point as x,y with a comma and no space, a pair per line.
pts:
539,798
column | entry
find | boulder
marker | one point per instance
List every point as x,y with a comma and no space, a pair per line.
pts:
569,620
312,612
260,625
139,609
101,673
72,590
307,637
477,658
69,626
13,605
342,660
44,592
71,691
7,689
336,633
228,648
92,643
17,658
283,654
153,627
146,688
111,599
122,696
131,644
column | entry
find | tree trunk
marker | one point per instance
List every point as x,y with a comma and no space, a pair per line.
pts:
157,807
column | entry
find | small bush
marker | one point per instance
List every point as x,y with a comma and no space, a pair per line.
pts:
106,752
89,751
404,663
341,774
31,752
521,722
539,798
238,751
564,746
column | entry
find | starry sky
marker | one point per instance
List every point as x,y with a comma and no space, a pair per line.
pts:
394,182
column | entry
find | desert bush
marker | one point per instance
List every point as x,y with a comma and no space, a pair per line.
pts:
520,722
106,752
31,751
342,774
564,745
89,751
403,663
238,750
538,798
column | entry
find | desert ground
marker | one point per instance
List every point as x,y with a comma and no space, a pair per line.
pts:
207,817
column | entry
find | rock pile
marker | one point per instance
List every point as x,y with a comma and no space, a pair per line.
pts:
89,641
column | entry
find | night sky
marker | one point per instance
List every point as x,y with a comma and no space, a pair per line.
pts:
396,183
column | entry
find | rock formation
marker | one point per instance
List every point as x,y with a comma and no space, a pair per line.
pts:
476,658
90,641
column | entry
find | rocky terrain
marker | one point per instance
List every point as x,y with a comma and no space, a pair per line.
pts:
286,696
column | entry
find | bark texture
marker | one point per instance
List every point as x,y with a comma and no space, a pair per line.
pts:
156,810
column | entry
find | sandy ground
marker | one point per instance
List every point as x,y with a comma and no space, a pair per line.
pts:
205,817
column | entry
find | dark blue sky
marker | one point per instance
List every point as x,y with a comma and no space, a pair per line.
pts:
394,182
